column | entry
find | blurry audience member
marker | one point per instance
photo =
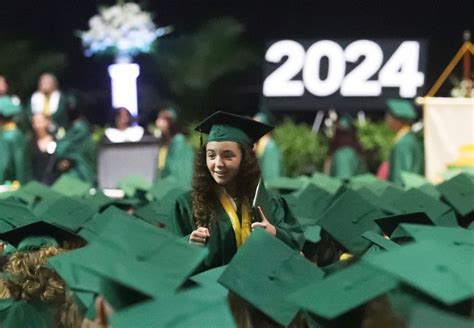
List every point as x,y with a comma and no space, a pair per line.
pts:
20,169
75,153
42,149
50,101
267,151
346,156
123,129
176,155
407,151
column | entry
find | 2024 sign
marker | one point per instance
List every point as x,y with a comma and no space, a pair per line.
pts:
401,70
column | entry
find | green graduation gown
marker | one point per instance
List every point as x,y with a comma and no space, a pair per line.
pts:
346,163
6,159
222,244
18,149
406,155
271,161
78,147
179,160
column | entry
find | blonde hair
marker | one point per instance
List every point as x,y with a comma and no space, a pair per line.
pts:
32,281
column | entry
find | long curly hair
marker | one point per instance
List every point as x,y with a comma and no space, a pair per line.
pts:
32,281
204,199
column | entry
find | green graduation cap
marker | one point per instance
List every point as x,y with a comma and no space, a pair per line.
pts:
414,200
330,184
450,235
223,126
66,211
163,186
287,184
402,109
70,186
38,190
459,193
209,279
413,180
13,214
348,217
40,230
8,107
424,315
388,224
380,241
440,270
266,285
191,308
131,184
309,204
343,290
26,314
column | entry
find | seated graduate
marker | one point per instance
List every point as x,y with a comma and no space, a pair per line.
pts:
217,212
124,130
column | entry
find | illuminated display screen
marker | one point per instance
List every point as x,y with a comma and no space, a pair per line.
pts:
342,74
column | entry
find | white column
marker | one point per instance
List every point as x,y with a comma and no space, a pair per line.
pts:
124,86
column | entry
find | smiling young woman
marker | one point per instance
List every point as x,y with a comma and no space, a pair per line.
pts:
216,213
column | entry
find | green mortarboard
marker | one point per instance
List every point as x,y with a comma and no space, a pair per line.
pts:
443,271
388,224
191,308
175,257
266,285
312,233
8,107
413,180
223,126
414,200
379,201
27,314
70,186
209,279
38,190
380,241
330,184
309,204
343,291
402,109
348,217
66,211
358,181
15,213
131,184
459,193
423,315
283,184
35,242
163,186
450,235
38,229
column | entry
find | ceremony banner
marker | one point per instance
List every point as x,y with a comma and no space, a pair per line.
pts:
449,136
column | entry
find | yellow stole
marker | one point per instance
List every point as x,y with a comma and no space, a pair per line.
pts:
261,144
404,130
162,157
9,126
241,230
46,105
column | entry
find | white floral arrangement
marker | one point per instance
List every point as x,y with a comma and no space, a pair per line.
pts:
123,30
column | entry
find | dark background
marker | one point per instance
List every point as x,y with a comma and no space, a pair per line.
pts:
54,22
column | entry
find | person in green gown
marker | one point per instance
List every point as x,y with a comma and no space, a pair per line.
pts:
51,101
75,152
176,155
216,213
14,137
407,151
268,153
346,155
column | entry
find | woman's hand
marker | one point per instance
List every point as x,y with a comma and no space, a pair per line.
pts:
199,236
264,224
